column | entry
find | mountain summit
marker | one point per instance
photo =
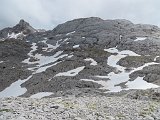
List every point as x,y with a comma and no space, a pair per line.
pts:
23,23
21,29
24,27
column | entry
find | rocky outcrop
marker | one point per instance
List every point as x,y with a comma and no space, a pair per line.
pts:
150,94
12,52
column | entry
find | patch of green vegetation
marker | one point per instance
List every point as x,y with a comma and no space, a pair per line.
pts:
92,106
107,117
120,116
149,110
68,104
5,110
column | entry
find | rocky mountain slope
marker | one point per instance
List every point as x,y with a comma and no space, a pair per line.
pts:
88,58
84,54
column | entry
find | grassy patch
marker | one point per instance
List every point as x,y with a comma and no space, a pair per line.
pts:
5,110
149,110
120,116
92,106
68,104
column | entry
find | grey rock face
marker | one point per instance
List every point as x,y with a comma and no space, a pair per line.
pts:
135,61
50,60
75,25
23,24
12,52
71,43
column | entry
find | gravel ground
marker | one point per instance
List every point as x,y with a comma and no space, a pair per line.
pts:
79,108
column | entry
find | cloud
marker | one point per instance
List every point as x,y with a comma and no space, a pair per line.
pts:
48,13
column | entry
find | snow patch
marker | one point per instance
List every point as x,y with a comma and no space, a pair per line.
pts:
42,69
156,58
73,72
139,83
70,56
93,62
50,47
122,76
1,61
15,36
70,33
34,48
30,54
140,38
42,62
98,76
41,95
66,39
15,89
123,52
75,46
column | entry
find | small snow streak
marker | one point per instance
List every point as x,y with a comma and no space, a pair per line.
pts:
1,61
70,33
93,62
73,72
140,38
15,36
41,95
75,46
15,89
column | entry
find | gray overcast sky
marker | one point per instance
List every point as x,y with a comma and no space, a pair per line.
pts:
48,13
